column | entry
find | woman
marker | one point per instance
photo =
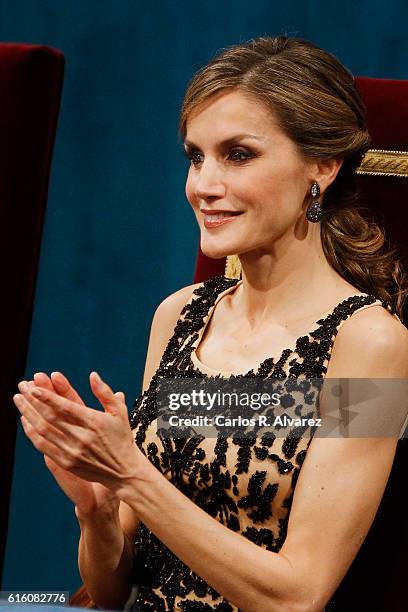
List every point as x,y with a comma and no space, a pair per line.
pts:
274,130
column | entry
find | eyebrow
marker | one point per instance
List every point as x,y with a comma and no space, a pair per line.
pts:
227,141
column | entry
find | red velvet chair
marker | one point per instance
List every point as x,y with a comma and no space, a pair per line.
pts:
31,81
376,580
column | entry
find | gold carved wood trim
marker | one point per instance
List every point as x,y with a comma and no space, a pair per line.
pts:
378,162
233,267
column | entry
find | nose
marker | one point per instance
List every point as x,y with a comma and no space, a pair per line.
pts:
209,181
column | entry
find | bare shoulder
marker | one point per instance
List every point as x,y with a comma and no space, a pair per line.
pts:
372,342
163,324
171,307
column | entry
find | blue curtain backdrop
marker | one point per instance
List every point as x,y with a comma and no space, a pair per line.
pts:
119,234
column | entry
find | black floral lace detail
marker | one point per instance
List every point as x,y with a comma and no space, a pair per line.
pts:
237,484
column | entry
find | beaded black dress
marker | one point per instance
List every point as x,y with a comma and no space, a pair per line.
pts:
246,484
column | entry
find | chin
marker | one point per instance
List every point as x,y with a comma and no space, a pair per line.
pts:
215,254
218,246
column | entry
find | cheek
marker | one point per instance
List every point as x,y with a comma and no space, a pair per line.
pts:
264,192
275,200
284,189
189,191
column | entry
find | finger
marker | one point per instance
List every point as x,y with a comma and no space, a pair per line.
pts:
63,387
45,429
25,385
121,396
57,410
40,380
109,400
41,444
50,463
43,380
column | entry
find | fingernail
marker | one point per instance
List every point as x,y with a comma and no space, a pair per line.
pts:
98,378
23,386
37,392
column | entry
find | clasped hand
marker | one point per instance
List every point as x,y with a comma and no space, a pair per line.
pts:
90,444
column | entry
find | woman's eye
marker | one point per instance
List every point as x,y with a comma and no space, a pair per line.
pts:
239,155
235,155
193,156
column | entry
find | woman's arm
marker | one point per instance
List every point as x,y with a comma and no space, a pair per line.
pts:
106,555
337,495
106,550
99,447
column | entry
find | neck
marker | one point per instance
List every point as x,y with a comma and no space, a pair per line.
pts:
291,279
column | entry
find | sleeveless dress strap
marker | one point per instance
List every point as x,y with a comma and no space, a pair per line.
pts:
333,322
176,356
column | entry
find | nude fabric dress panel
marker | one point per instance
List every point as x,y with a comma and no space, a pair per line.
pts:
246,484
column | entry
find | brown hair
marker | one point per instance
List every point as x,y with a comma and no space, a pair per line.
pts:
318,106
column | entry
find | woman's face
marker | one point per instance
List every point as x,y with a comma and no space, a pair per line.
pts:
241,161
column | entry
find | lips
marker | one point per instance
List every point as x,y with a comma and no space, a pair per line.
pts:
216,219
221,215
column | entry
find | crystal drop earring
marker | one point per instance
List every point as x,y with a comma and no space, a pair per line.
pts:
314,211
